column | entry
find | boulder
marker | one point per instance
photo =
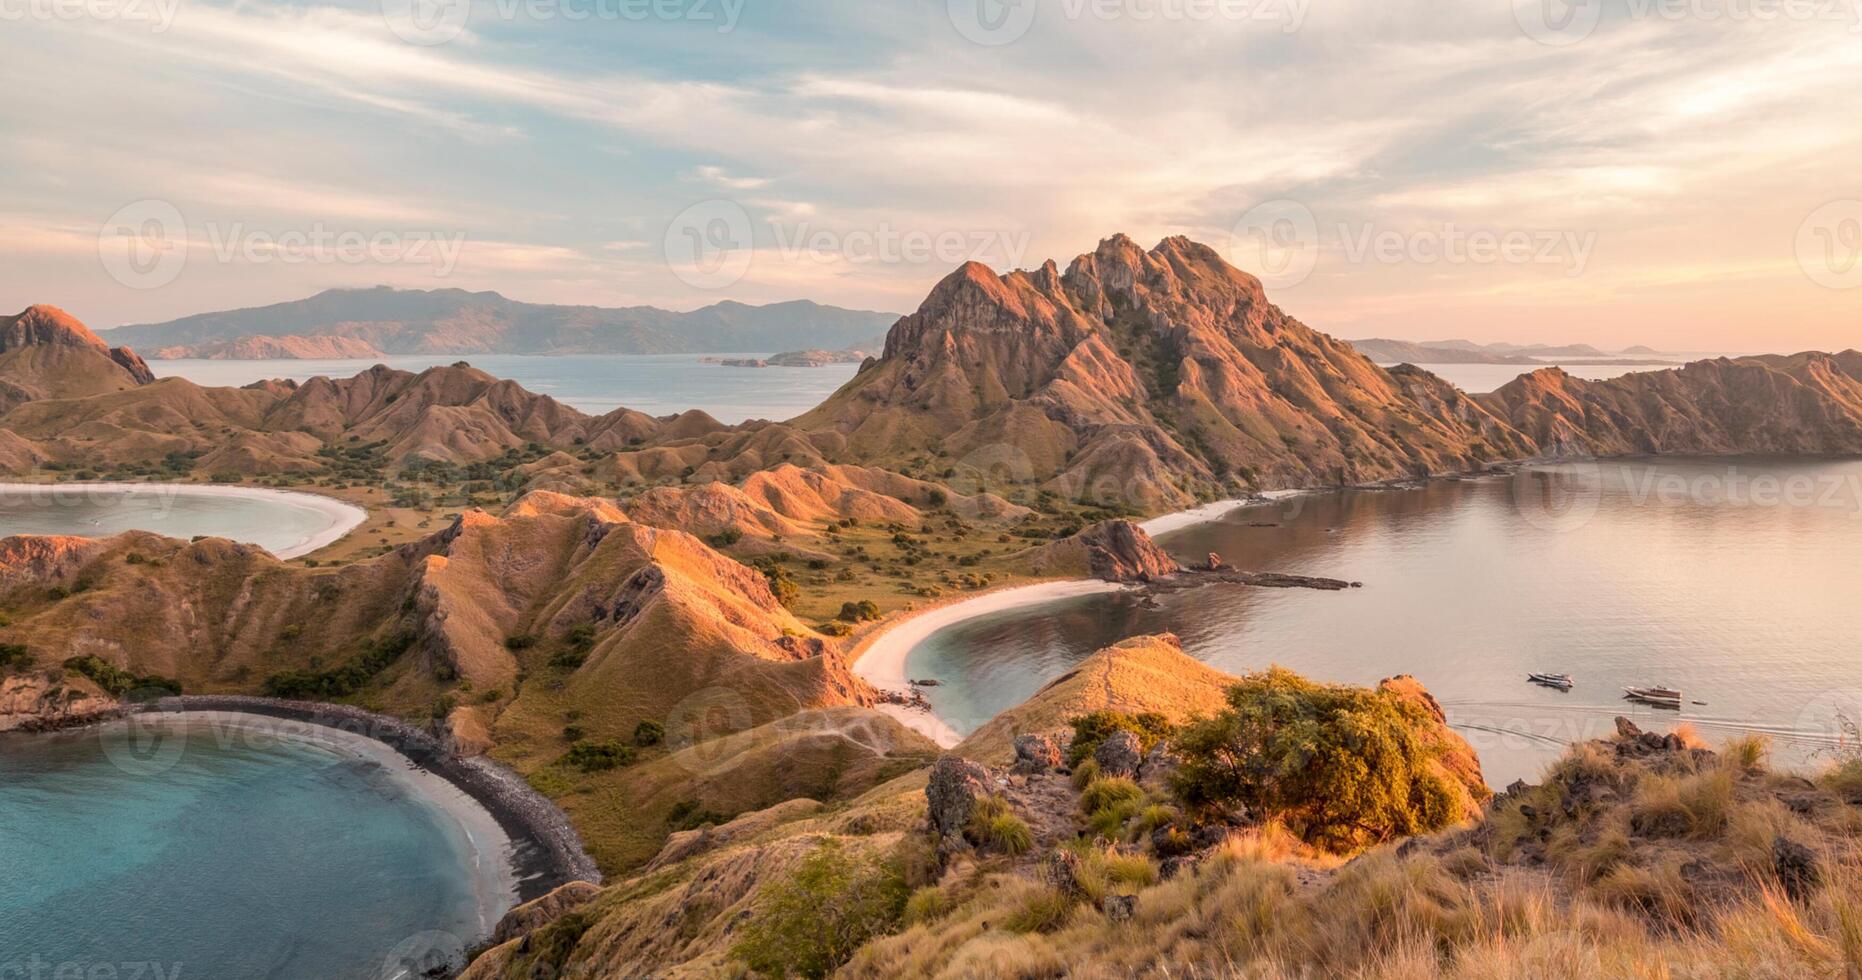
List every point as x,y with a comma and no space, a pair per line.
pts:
1626,728
1035,754
951,793
1119,755
1797,867
1061,870
1158,765
1119,908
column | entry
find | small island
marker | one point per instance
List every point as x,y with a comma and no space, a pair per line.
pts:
794,358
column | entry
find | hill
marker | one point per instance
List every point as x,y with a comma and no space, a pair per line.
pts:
1147,379
46,353
1803,403
382,320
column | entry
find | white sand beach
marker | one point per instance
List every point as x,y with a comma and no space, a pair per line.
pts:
334,518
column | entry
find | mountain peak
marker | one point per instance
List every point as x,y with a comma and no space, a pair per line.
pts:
42,324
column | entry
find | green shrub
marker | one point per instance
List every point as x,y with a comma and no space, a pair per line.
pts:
811,921
859,612
993,826
689,815
834,629
1085,773
340,682
1045,910
1109,791
929,904
598,756
1342,767
14,655
119,682
649,733
1089,730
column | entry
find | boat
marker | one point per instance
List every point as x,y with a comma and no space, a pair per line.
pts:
1560,681
1661,697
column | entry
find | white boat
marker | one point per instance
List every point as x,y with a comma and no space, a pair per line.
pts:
1560,681
1661,697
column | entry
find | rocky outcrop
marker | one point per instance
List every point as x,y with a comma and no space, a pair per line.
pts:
46,353
1035,754
534,915
1144,673
1111,551
1133,377
955,785
34,703
1804,403
1119,755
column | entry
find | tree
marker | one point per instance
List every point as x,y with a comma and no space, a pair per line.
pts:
1343,767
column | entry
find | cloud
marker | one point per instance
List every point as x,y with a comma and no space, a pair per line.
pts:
1690,148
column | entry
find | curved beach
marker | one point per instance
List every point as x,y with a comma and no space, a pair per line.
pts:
538,849
336,518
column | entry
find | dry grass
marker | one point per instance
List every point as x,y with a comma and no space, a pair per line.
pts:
1664,871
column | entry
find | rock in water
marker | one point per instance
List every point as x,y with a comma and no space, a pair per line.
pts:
955,785
1035,753
1119,755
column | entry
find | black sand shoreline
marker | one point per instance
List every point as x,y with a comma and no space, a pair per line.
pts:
548,852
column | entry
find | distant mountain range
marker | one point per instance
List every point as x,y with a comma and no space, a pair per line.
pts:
1387,351
365,323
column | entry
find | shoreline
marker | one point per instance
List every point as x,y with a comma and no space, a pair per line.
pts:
342,517
879,659
545,851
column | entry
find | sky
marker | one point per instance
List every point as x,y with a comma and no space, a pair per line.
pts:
1677,173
